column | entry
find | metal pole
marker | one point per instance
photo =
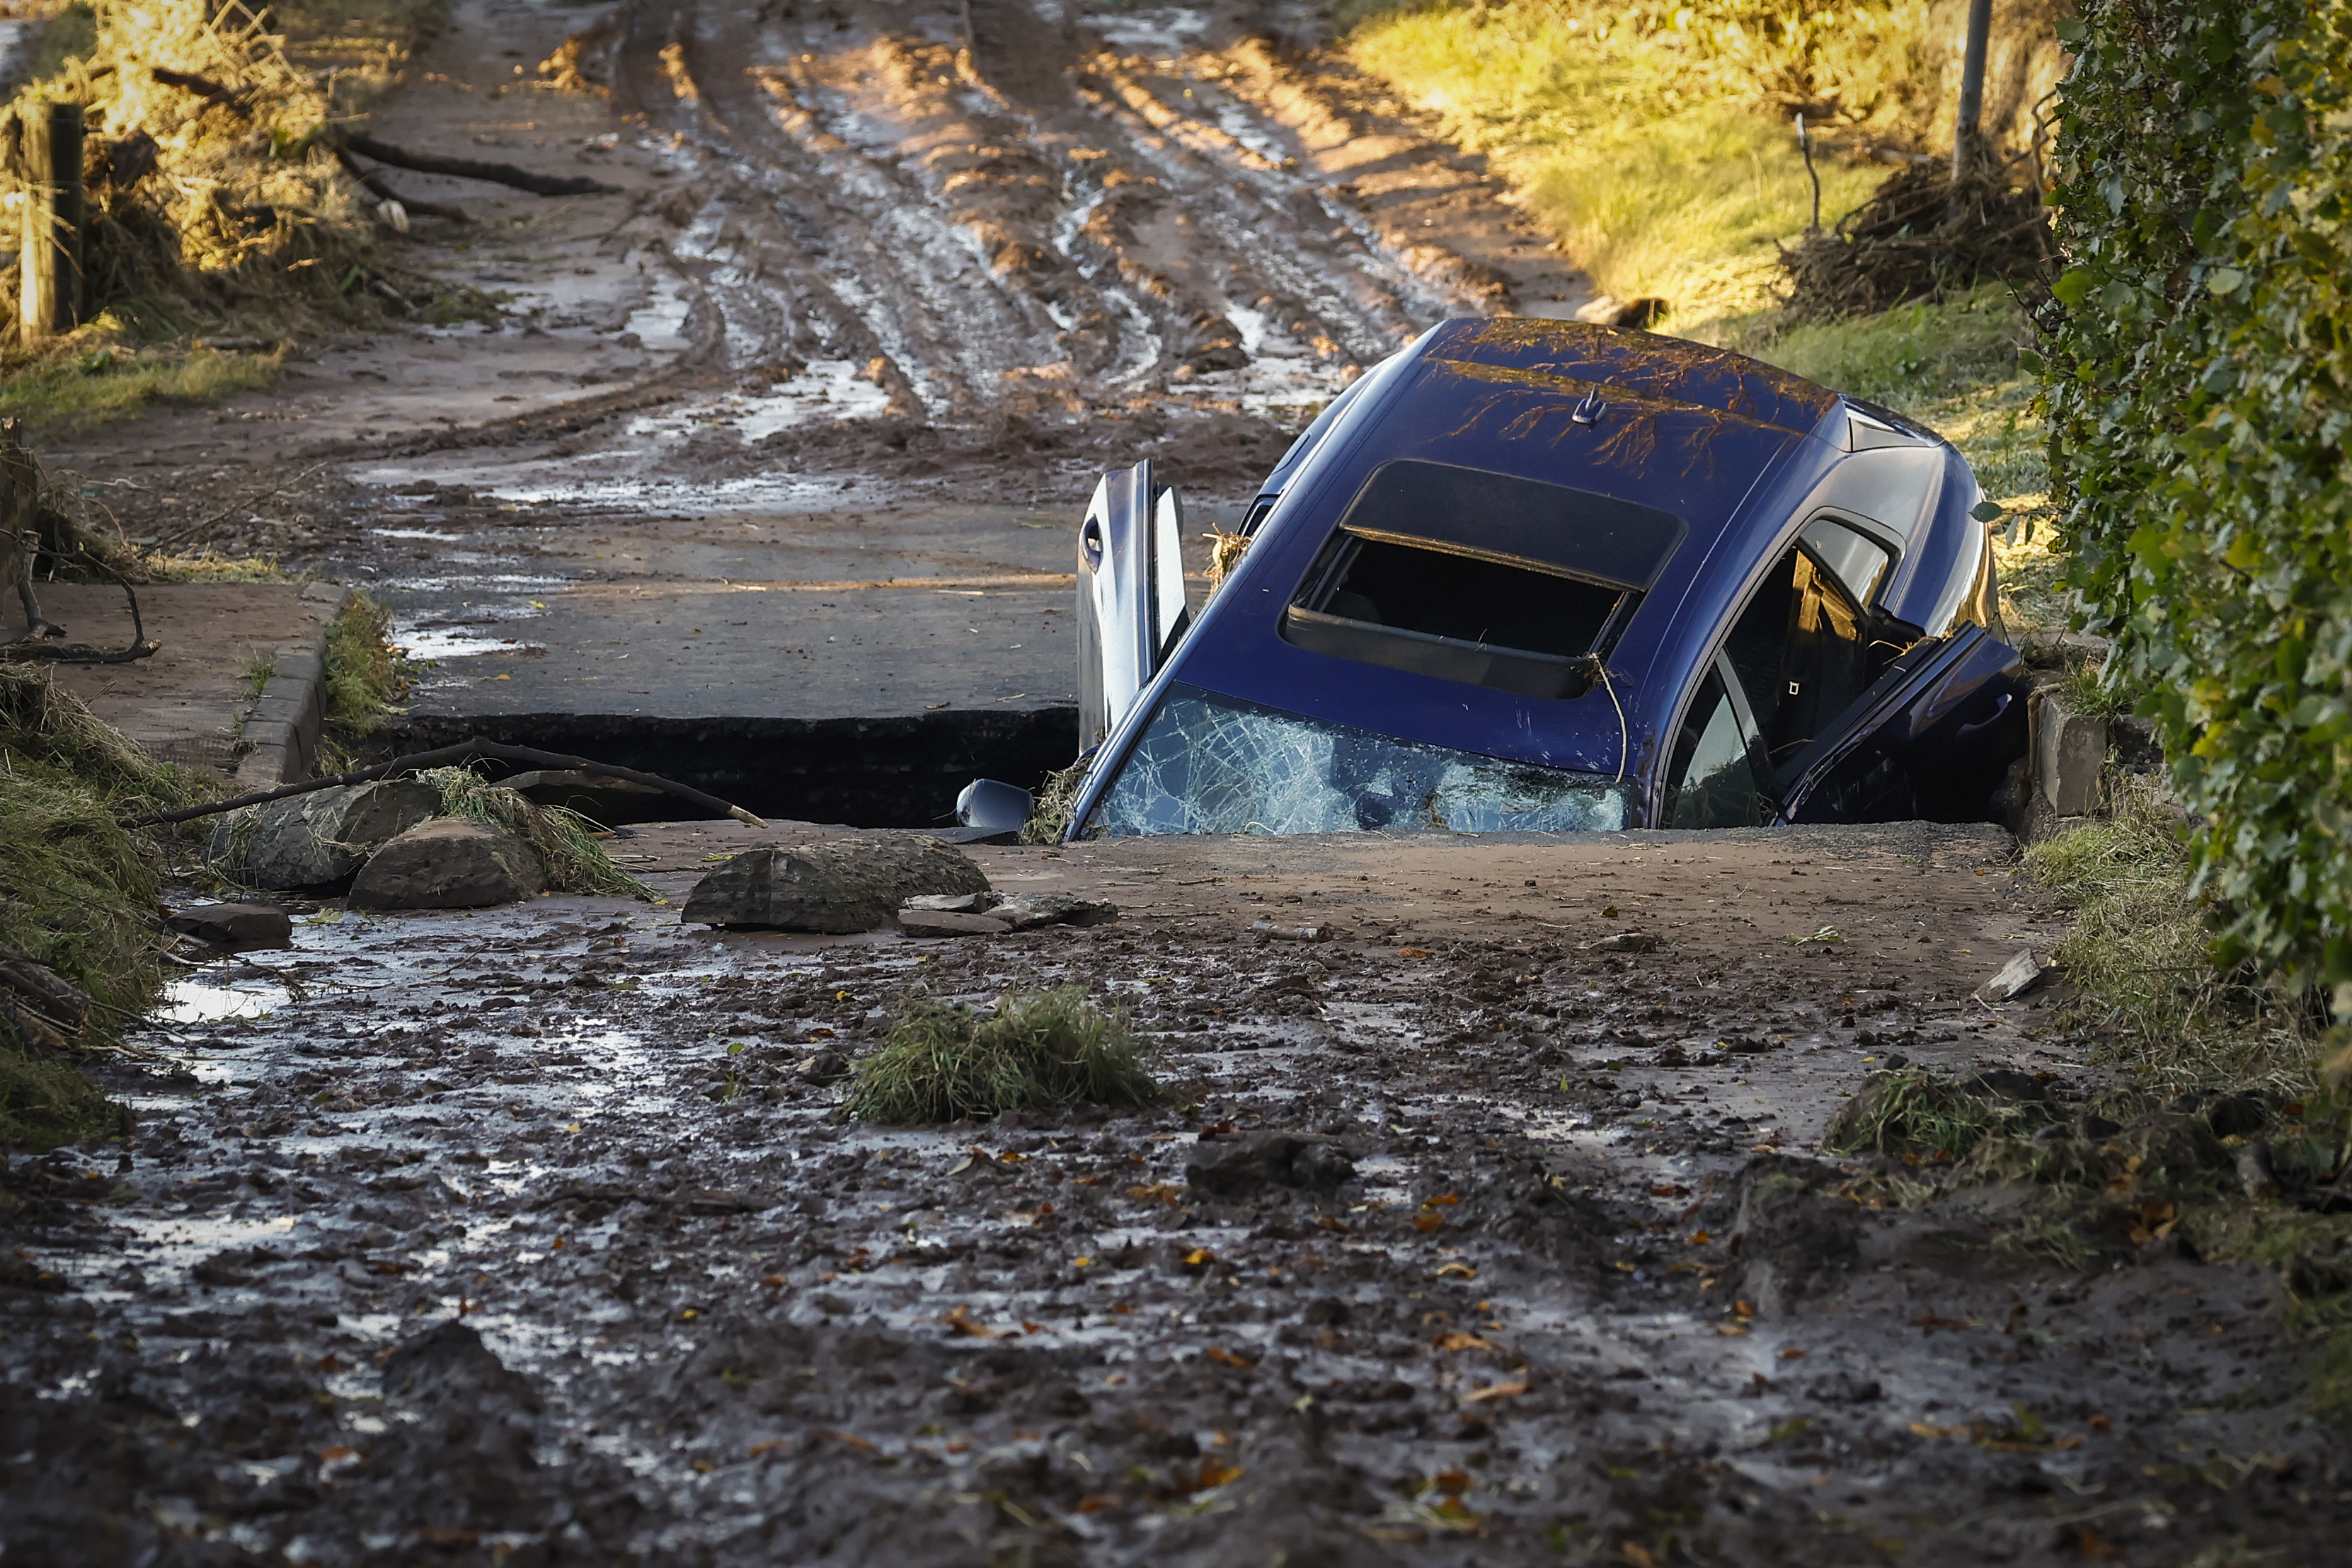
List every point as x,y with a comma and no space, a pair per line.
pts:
51,282
1965,134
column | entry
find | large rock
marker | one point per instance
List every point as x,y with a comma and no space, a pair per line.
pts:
448,863
841,886
1248,1164
317,840
234,924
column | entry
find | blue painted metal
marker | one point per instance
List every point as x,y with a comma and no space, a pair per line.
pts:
1743,453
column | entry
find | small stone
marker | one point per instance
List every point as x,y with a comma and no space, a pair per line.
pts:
2016,977
234,924
448,863
1623,942
1238,1168
947,923
953,902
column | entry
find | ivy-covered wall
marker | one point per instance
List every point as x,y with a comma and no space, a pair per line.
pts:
2200,384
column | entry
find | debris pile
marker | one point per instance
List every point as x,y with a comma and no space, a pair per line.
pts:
1922,236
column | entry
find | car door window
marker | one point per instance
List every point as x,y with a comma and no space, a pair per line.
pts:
1853,557
1802,652
1715,783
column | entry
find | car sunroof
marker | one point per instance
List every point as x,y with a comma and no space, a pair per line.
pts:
1480,578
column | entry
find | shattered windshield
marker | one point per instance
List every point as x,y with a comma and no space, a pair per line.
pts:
1209,764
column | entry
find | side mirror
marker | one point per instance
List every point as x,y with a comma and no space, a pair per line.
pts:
997,808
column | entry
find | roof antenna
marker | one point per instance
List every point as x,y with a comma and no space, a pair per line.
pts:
1589,411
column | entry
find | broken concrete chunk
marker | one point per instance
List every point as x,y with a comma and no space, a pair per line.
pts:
234,924
2068,751
448,863
1274,930
1023,910
1238,1167
2016,977
841,886
949,923
953,902
317,840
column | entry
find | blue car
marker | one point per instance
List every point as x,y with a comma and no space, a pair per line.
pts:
1536,575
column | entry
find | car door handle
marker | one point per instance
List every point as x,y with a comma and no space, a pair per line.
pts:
1999,708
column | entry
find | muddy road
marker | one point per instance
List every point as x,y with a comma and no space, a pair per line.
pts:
1497,1228
537,1236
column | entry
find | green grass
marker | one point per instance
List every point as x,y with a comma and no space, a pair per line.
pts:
2138,949
365,673
108,383
1035,1051
76,892
564,840
1657,174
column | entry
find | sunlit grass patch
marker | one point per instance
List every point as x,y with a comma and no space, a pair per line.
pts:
2139,949
366,673
1034,1051
108,383
206,567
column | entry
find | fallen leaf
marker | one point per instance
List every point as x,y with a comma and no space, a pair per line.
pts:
1697,1238
1099,1502
1428,1220
1742,1310
2091,1544
1081,1262
1922,1429
1453,1483
1456,1271
1495,1391
1443,1201
1200,1257
770,1445
851,1439
2100,1423
331,1455
1638,1554
960,1321
1457,1340
1415,953
1224,1357
1213,1474
1793,1354
771,1279
1159,1191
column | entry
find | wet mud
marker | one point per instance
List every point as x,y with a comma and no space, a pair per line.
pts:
537,1236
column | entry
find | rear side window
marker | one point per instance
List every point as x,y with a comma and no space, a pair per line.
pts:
1480,578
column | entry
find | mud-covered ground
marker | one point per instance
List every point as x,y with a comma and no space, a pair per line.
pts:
537,1237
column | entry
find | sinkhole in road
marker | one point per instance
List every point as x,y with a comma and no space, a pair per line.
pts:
901,771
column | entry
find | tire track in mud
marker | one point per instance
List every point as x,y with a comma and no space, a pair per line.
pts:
1032,212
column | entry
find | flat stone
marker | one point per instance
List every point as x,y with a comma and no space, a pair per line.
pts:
949,923
1022,911
841,886
317,840
1239,1166
234,924
448,863
2016,977
951,903
1623,942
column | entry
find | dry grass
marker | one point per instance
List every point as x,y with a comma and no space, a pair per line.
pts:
365,673
2139,950
1035,1051
565,842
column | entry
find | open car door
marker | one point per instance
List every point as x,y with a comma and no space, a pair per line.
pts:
1132,606
1931,738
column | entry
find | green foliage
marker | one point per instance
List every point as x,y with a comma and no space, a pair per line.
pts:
2200,386
365,673
1037,1050
108,383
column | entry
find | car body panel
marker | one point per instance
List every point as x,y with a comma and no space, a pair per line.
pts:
1742,456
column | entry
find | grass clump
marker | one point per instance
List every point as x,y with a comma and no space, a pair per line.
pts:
104,382
1035,1051
78,892
366,673
564,840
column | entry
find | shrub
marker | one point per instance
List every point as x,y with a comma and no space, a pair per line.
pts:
2200,385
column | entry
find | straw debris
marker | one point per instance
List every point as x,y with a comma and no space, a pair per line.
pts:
564,840
1035,1051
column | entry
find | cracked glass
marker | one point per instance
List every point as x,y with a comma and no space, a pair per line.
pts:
1209,764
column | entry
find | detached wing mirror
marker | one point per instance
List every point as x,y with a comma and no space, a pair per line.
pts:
1132,609
995,807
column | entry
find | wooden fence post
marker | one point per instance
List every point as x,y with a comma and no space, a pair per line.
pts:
51,259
